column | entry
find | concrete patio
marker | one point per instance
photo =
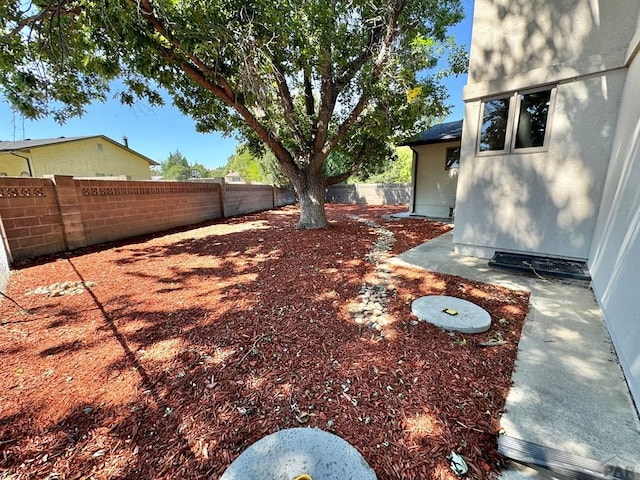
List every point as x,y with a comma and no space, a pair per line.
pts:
568,392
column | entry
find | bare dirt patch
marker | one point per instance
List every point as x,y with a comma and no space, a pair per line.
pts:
181,350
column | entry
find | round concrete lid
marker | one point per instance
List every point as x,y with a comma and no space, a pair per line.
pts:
287,454
451,313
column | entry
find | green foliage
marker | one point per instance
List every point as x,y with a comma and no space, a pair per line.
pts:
200,171
394,168
243,162
254,165
218,172
271,172
398,170
177,167
325,86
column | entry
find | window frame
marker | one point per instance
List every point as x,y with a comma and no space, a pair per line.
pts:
513,119
507,133
516,119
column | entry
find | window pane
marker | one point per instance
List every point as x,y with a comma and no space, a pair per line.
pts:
532,121
494,124
453,158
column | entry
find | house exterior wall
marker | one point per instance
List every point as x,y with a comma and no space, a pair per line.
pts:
91,157
434,186
615,253
544,202
12,166
518,44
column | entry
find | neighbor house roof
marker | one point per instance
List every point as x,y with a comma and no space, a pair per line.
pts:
43,142
443,132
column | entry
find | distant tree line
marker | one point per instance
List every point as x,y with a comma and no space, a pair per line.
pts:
263,168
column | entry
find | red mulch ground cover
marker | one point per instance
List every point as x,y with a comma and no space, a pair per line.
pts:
193,345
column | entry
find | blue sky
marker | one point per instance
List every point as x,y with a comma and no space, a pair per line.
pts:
156,132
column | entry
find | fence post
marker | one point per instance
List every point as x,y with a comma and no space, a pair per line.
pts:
70,211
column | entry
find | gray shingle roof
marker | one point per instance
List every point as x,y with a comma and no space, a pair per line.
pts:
8,146
41,142
443,132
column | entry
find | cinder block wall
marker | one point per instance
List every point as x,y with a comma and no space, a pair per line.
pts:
113,209
31,217
370,194
50,215
282,197
239,199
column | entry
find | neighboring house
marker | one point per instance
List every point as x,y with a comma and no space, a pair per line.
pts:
95,156
434,177
233,177
550,153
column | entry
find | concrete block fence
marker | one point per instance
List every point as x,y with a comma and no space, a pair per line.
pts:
49,215
370,193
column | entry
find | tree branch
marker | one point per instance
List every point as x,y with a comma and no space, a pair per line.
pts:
343,176
357,63
216,84
282,154
378,67
328,98
47,13
308,93
287,104
348,122
147,9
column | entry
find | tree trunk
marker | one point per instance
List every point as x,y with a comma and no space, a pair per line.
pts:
311,196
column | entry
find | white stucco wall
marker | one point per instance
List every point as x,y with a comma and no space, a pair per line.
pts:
517,44
615,255
434,188
545,202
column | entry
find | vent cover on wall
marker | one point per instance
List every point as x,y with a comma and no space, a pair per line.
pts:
555,267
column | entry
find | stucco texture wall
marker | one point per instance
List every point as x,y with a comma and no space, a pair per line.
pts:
90,157
13,166
520,43
434,187
615,254
544,202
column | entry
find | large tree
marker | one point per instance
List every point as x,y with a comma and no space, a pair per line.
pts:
304,78
177,167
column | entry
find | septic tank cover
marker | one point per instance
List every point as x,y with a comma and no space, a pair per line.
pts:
451,313
300,453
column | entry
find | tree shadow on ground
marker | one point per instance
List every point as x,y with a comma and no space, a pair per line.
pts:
186,352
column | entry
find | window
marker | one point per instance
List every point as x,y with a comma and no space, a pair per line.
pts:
453,158
532,119
503,131
494,124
